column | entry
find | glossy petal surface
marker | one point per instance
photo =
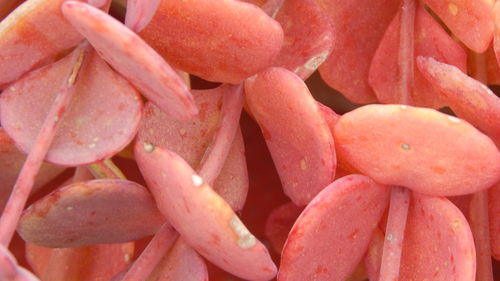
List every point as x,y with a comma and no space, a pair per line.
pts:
467,97
203,219
217,40
296,134
101,119
181,263
132,58
418,148
430,40
438,242
190,139
332,234
93,212
470,21
358,27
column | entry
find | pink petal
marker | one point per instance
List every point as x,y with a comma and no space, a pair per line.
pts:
470,21
430,40
25,43
308,37
98,262
132,58
358,27
438,242
140,13
217,40
101,119
190,139
422,149
181,263
467,97
93,212
11,162
203,219
296,133
332,234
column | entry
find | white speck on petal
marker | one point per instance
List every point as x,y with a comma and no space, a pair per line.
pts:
69,208
92,145
246,239
197,180
148,147
389,237
126,258
403,106
452,7
314,62
454,119
405,146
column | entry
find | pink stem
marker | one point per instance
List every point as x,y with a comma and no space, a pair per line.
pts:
26,178
216,154
478,208
394,234
479,222
151,256
272,7
406,50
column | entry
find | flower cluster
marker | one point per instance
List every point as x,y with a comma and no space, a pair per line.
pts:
178,140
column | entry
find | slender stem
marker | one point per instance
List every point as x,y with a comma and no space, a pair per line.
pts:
394,234
479,222
216,154
26,178
406,51
151,256
478,208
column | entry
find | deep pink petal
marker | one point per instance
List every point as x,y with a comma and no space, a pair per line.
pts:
132,58
332,234
92,212
295,132
217,40
101,119
419,148
204,220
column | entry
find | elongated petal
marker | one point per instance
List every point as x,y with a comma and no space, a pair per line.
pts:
190,139
93,212
102,118
358,27
296,133
203,219
467,97
422,149
132,58
470,21
438,242
25,43
181,263
308,37
11,161
139,13
217,40
430,40
332,234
